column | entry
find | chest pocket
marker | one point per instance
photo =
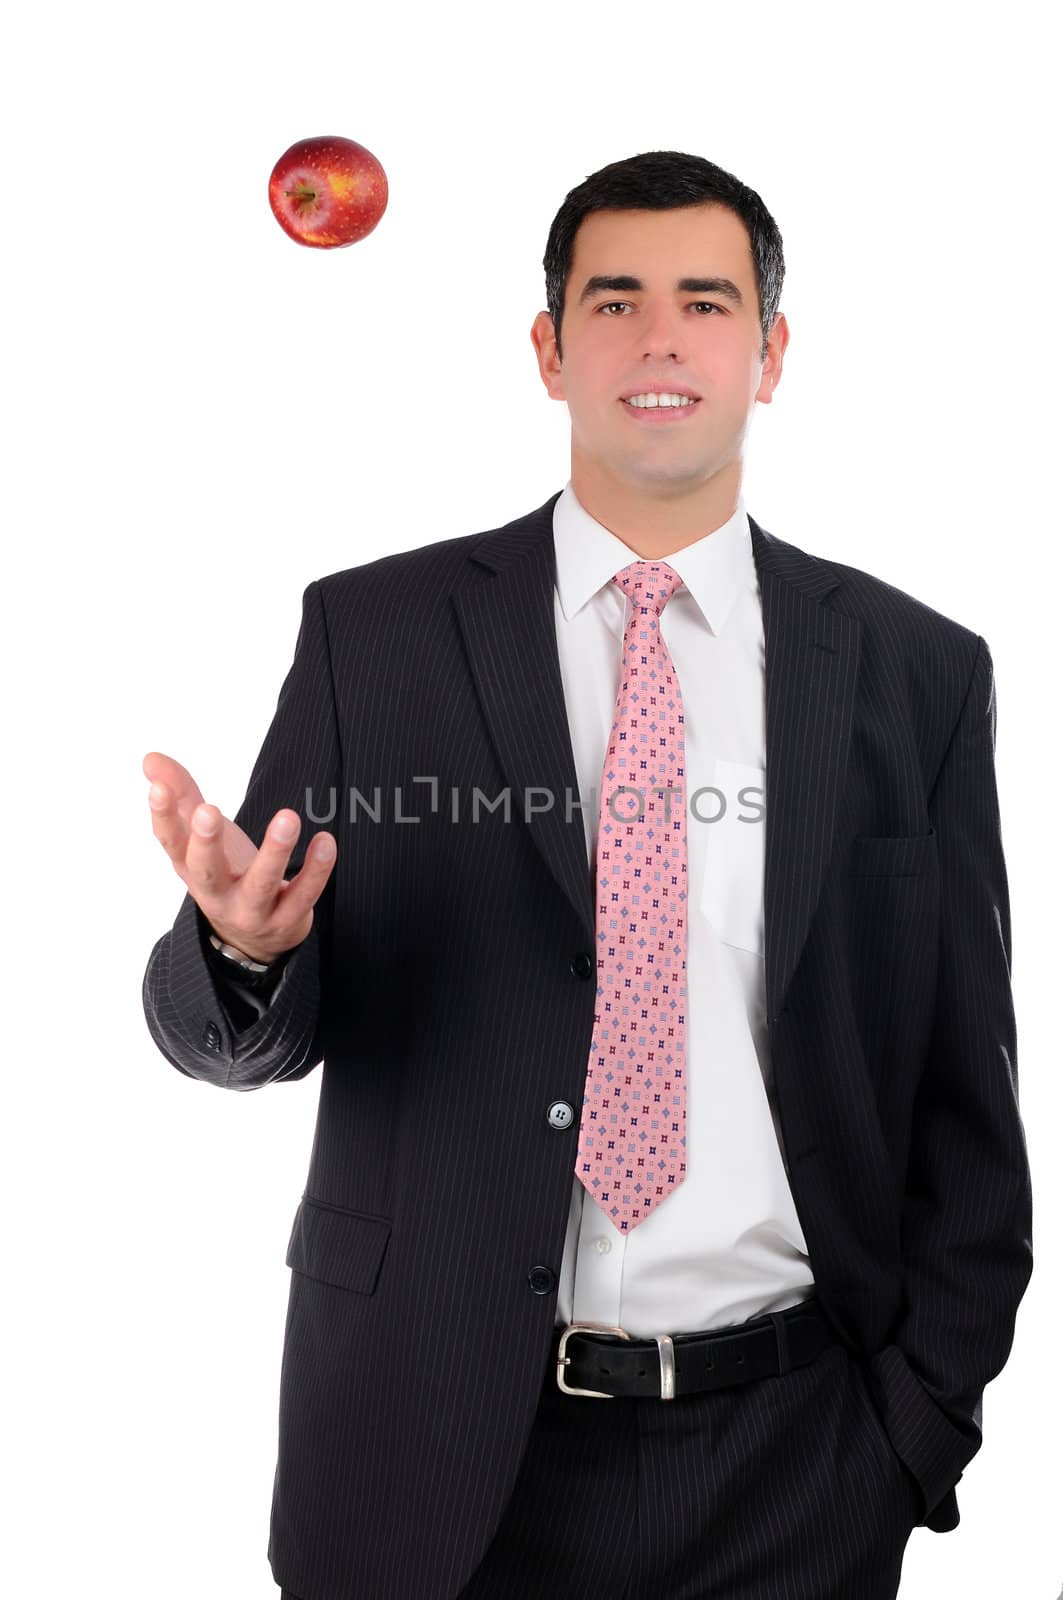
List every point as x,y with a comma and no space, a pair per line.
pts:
732,885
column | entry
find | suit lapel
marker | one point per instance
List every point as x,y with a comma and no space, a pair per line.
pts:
811,660
811,656
507,621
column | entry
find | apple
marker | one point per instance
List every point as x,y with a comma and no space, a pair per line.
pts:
328,192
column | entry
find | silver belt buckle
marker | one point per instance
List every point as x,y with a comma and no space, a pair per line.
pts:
664,1347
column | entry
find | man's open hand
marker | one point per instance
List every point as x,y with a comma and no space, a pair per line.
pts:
240,888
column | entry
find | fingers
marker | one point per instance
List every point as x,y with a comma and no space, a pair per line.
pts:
178,780
168,825
195,847
261,883
256,902
304,890
173,797
263,889
207,872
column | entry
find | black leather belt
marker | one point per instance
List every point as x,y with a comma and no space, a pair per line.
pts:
596,1359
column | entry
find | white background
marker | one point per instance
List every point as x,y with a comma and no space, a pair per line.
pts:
202,416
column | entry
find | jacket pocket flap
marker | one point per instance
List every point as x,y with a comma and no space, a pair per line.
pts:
344,1248
892,855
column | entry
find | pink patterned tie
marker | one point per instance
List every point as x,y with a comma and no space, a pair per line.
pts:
633,1129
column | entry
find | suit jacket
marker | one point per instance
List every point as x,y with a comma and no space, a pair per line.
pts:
442,988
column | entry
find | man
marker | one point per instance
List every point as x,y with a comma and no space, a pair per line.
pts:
661,984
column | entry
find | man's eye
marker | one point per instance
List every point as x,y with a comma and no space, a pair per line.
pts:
610,303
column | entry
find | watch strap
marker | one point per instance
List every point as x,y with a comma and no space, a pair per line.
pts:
228,962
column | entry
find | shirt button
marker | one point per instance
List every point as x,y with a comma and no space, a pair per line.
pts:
560,1114
541,1279
582,964
603,1246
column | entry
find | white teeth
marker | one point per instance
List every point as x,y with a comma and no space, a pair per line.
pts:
651,400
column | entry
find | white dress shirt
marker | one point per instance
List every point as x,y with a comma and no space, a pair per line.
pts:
727,1244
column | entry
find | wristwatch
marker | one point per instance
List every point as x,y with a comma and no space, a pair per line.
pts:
249,974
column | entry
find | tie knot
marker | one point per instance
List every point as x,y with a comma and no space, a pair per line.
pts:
649,583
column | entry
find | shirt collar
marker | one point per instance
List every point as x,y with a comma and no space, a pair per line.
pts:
715,568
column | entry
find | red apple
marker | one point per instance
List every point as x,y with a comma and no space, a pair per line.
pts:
328,192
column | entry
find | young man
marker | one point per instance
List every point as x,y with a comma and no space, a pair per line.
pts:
668,1209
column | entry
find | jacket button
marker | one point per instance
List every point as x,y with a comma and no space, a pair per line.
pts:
560,1114
541,1279
212,1036
582,964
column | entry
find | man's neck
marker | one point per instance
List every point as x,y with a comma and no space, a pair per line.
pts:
655,527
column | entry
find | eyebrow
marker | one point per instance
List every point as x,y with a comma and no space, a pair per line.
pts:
720,286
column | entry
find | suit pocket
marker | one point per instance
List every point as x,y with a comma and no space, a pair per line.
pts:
336,1246
731,814
903,855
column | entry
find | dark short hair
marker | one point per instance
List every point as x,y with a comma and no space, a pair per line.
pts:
665,180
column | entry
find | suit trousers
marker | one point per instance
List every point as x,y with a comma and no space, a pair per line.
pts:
784,1488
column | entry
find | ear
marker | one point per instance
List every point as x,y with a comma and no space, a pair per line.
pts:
542,337
778,339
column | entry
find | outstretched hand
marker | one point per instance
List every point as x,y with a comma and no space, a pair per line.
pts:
239,887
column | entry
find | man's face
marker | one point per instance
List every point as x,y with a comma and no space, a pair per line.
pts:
617,340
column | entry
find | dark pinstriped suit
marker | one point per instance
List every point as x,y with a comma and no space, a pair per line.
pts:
437,988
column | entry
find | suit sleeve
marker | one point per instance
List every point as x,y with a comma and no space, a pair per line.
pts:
243,1005
967,1220
196,1019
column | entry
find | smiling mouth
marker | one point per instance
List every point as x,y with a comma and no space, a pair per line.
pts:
661,415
